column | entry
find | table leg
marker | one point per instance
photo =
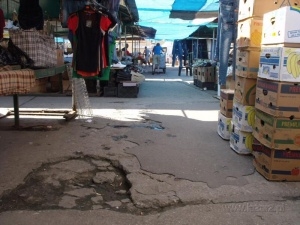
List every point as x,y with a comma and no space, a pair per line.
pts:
16,110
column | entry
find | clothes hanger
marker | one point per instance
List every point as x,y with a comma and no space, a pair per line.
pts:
88,8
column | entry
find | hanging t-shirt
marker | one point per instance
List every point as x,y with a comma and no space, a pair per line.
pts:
90,49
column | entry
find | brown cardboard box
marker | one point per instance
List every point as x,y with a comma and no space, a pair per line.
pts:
279,99
245,89
255,8
60,57
247,63
206,74
230,82
277,133
249,33
195,72
279,165
40,86
226,102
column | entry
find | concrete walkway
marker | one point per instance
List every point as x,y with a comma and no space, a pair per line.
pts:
155,159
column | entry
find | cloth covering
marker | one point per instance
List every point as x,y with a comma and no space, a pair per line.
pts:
16,81
30,15
39,47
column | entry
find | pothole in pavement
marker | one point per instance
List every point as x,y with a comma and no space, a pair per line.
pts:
83,183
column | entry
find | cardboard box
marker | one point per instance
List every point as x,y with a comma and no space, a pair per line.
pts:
226,102
281,26
230,82
243,117
279,165
224,126
240,141
249,33
40,86
244,90
247,63
280,63
255,8
195,72
206,74
277,132
279,99
60,57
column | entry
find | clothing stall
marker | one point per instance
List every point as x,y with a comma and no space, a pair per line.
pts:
28,54
93,50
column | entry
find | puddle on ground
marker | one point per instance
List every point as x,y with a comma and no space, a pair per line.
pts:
151,126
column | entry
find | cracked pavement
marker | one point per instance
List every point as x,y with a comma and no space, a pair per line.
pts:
156,159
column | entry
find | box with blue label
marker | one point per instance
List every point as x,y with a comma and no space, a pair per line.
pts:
280,165
224,126
243,117
240,141
247,63
278,99
280,64
281,26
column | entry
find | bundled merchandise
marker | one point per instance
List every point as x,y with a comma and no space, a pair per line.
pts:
277,123
38,46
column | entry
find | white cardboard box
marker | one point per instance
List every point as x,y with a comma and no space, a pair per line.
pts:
281,26
224,126
255,8
280,64
243,117
240,141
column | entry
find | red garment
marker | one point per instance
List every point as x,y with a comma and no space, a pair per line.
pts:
2,23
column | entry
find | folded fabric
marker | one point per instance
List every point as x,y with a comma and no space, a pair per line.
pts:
118,65
137,77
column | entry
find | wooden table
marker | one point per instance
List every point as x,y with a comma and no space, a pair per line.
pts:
15,88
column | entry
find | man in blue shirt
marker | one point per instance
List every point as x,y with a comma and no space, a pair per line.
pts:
157,50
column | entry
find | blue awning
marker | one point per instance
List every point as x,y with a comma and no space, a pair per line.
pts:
160,16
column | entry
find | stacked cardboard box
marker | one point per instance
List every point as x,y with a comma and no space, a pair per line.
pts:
225,113
248,43
206,77
276,148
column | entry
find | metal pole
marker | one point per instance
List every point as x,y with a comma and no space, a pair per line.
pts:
197,48
125,39
213,45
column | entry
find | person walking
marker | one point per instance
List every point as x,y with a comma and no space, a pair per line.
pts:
157,50
147,55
